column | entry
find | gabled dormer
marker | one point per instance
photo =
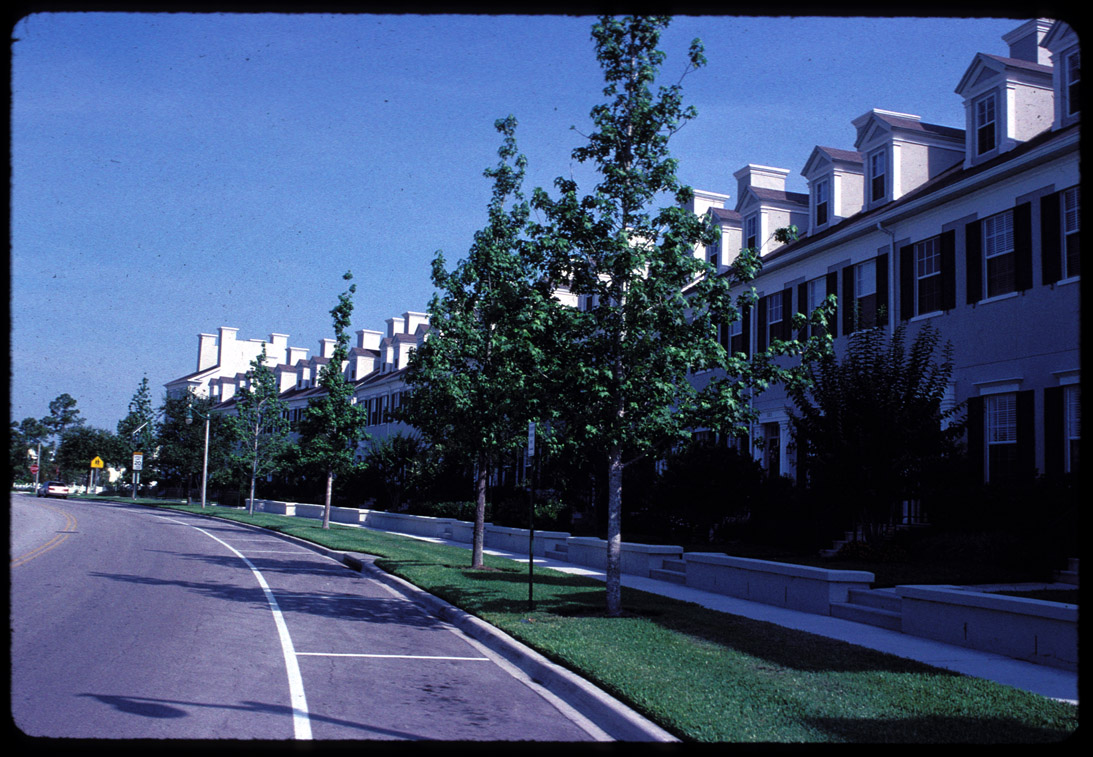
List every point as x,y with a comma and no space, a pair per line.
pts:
901,153
712,204
835,186
764,206
1062,44
1008,100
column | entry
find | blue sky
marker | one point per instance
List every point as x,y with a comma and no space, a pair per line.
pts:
174,173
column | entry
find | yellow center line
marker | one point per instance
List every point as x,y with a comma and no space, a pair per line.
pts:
70,527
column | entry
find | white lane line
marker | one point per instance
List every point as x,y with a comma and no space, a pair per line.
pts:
392,656
300,718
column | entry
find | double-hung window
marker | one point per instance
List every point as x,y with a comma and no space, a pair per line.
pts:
713,252
1072,83
774,316
1071,220
878,169
823,201
1073,420
998,254
1001,419
751,232
985,124
816,294
865,294
928,276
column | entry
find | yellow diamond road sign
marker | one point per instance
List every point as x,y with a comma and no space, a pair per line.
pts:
97,462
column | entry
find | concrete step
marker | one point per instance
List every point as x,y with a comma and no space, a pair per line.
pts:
674,576
869,615
1070,575
879,599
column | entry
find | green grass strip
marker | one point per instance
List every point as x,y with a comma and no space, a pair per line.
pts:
702,674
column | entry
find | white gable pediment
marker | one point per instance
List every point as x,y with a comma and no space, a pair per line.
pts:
819,162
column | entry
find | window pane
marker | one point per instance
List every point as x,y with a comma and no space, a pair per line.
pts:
1002,419
1001,275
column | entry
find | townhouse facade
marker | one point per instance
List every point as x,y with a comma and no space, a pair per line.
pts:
376,366
972,230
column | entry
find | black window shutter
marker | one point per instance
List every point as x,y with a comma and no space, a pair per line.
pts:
1054,408
787,314
1022,245
1026,435
948,270
761,331
975,438
883,316
1051,245
973,253
907,282
833,288
848,299
745,331
802,307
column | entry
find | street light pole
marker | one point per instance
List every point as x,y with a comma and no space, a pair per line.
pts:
205,460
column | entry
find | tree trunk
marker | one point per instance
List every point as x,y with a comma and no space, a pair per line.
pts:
614,532
480,513
329,493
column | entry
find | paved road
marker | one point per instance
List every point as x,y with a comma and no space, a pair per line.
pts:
129,622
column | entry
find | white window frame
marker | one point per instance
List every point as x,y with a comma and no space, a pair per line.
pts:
927,266
986,117
713,252
1000,419
997,243
822,193
751,231
878,170
1072,79
1072,421
774,307
1072,214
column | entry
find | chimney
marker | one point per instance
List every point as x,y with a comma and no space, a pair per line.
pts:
763,177
227,352
703,200
368,339
206,351
1024,41
326,347
296,354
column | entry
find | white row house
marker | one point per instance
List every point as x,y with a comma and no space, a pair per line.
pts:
974,230
376,366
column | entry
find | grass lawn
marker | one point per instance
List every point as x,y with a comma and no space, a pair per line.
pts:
705,675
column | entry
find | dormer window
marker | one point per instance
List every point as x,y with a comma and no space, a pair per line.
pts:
713,252
877,171
751,232
822,199
985,124
1072,80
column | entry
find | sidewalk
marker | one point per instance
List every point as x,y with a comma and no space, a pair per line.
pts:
1040,679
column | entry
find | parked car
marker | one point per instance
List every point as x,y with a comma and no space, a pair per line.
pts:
53,489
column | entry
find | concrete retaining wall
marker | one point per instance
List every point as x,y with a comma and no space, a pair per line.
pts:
800,587
637,559
1025,629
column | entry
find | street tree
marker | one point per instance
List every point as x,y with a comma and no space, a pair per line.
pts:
651,307
138,428
333,425
63,414
877,418
473,383
259,425
81,444
26,435
180,443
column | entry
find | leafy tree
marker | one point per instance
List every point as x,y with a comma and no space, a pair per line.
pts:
473,381
871,429
334,425
651,306
26,435
81,444
138,427
181,444
396,470
63,414
260,424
